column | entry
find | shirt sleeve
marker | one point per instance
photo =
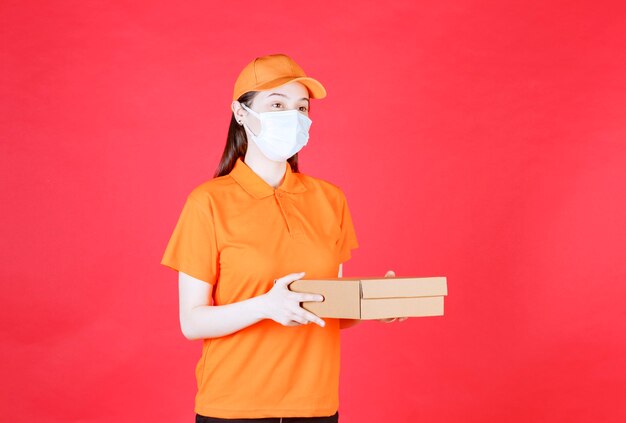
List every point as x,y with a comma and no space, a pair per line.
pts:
347,238
192,248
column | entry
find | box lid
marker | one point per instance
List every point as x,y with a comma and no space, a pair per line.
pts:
400,287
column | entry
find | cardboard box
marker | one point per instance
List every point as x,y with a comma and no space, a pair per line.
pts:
375,298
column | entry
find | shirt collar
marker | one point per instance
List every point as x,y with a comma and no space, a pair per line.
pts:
257,187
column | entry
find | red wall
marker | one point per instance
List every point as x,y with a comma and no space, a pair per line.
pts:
479,140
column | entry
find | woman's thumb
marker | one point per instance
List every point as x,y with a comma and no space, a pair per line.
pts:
286,280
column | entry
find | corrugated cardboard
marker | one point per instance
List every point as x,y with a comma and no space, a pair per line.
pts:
375,298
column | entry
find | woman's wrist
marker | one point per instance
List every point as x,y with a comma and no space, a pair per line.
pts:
259,306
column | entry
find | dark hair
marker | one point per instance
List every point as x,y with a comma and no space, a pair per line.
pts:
237,142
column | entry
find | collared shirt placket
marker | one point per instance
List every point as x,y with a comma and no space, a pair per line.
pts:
280,197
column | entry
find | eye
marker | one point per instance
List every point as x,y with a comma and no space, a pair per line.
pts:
304,108
279,105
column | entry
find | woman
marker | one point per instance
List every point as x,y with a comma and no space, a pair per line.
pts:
241,238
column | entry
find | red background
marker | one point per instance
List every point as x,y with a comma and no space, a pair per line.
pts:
479,140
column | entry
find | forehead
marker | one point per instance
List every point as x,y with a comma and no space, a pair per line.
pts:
291,91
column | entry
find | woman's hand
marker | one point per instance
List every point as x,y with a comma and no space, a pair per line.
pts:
283,305
392,274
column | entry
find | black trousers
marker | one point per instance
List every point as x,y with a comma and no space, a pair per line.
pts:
330,419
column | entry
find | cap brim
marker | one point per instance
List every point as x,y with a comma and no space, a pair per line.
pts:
316,89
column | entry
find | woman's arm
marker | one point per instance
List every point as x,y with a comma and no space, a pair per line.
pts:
200,319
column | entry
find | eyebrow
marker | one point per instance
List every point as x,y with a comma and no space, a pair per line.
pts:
283,95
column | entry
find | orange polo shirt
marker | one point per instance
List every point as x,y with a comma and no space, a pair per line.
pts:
239,233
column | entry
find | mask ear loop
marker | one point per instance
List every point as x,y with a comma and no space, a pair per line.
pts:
242,123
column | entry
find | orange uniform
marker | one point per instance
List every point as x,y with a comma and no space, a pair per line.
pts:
239,233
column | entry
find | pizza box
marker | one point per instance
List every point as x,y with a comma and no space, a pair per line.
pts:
375,298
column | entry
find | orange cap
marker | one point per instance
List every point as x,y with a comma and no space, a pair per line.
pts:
271,71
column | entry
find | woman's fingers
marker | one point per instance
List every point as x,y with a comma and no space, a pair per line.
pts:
296,317
283,306
313,318
287,279
304,318
393,319
307,315
304,297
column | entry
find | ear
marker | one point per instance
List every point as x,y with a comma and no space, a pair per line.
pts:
238,112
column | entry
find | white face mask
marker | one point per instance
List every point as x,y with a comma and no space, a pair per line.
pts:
282,133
